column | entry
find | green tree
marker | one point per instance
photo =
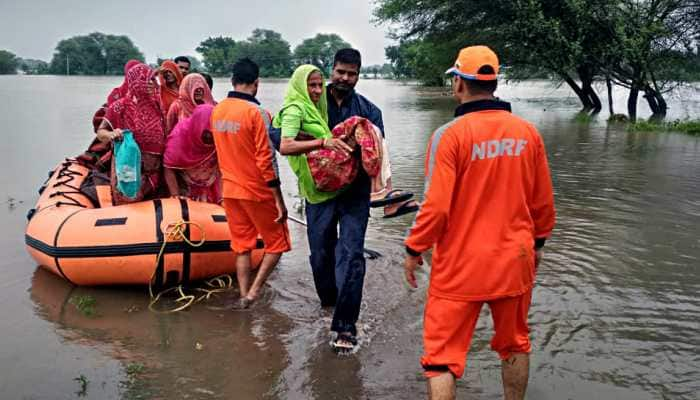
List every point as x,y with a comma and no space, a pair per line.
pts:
319,50
8,63
401,57
34,67
653,40
93,54
575,41
270,51
387,71
218,54
529,35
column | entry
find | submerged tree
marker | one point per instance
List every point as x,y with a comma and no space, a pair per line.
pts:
654,40
628,42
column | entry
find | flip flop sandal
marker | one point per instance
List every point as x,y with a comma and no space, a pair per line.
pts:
393,197
344,343
403,209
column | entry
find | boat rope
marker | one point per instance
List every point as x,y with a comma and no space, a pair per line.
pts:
65,178
176,231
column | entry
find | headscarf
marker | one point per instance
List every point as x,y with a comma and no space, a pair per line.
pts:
184,147
120,91
315,115
190,83
314,121
168,95
140,110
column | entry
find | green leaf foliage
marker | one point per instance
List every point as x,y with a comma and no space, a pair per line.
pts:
8,63
93,54
319,51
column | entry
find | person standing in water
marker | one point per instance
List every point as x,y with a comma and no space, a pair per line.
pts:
251,187
487,212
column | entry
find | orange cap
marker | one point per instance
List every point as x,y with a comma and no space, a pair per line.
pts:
473,58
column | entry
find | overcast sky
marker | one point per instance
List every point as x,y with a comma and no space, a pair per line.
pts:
32,28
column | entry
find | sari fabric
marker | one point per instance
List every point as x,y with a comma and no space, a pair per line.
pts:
185,104
168,95
300,112
333,170
196,161
140,112
116,94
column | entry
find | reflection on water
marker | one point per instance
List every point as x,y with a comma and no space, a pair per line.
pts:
615,312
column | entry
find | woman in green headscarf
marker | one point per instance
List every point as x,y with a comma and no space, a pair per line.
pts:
303,120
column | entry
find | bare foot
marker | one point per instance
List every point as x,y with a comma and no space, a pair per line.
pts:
242,304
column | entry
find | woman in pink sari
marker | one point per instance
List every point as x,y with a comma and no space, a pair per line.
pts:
193,92
190,157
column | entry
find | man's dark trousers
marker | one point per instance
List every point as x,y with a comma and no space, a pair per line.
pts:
337,258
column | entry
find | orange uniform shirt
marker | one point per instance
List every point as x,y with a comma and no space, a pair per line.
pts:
245,153
488,197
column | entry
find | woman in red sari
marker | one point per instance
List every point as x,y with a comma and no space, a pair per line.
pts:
190,154
193,91
139,111
116,94
170,79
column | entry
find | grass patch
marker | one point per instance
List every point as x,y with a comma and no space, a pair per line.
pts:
583,118
134,369
84,304
83,382
690,127
135,387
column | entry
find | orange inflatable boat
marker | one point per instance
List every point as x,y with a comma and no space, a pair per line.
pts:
120,245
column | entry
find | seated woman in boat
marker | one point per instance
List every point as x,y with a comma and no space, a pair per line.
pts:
140,112
193,91
190,157
170,78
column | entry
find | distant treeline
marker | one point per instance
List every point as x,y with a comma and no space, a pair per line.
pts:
103,54
645,46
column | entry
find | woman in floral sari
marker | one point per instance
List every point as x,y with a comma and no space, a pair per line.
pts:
193,91
190,154
140,112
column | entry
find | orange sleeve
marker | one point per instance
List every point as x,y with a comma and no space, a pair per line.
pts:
542,204
441,176
264,152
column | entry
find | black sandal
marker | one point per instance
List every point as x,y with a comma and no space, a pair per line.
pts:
392,197
405,208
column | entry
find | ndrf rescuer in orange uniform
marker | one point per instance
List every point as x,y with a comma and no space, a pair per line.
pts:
251,186
487,212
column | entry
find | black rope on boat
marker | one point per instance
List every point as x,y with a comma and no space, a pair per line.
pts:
68,176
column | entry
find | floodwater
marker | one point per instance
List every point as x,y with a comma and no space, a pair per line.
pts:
615,314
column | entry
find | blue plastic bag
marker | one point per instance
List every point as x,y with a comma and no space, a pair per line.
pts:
127,163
